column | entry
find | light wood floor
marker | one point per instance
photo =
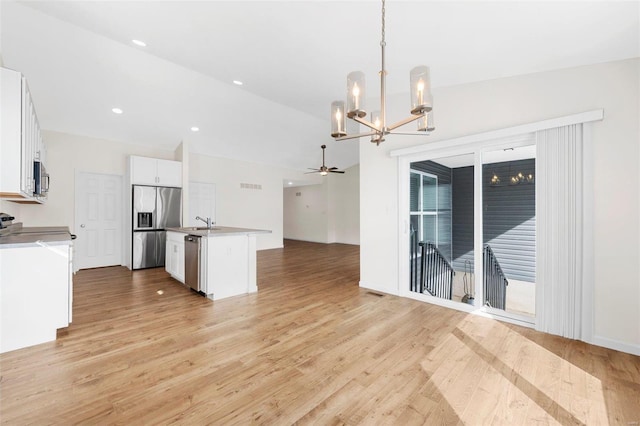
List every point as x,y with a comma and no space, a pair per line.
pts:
310,347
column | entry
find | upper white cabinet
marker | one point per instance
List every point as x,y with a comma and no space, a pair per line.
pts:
20,139
155,172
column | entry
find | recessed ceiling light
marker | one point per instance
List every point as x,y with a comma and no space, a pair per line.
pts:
195,129
290,183
139,43
237,82
116,110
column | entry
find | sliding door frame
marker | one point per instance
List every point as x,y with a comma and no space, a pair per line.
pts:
477,149
477,145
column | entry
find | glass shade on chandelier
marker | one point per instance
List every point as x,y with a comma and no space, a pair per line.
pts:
356,85
426,122
377,121
421,99
338,120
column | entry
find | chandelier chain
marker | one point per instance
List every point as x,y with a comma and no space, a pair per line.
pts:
383,42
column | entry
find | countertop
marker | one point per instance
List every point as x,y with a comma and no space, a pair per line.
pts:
218,231
36,236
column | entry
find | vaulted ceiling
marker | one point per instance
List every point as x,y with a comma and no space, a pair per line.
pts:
292,56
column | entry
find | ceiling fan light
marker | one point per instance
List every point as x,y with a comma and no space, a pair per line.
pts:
338,119
420,80
356,92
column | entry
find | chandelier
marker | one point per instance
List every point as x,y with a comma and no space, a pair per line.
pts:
421,103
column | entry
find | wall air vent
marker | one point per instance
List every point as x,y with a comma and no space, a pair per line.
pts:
298,194
250,186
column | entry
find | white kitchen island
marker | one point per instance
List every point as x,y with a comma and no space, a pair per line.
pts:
227,259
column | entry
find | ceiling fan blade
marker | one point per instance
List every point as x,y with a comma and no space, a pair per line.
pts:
333,168
315,171
336,171
311,168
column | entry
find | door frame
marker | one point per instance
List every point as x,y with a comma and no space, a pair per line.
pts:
76,211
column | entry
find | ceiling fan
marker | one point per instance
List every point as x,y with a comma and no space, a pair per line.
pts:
323,170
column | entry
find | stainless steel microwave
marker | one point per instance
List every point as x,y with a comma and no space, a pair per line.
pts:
41,179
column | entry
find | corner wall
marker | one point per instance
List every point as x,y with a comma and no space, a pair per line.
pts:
68,154
305,215
258,205
325,213
496,104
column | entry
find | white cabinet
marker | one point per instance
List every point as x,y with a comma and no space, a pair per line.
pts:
226,261
34,301
20,138
155,172
174,259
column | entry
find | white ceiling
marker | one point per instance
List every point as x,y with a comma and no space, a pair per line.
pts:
293,57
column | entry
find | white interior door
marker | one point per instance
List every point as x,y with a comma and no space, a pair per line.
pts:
98,220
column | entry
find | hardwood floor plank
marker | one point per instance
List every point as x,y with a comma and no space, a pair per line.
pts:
310,347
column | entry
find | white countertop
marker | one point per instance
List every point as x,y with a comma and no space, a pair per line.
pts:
36,236
218,231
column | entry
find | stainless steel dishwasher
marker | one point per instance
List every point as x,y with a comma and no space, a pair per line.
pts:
192,261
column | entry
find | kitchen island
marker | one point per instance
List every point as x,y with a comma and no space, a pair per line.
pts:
227,259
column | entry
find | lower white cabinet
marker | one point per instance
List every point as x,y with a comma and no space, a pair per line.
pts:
226,261
174,256
36,293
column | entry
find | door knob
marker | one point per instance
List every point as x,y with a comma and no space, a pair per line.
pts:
82,225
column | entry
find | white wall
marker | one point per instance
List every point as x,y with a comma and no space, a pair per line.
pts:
246,208
344,206
325,213
67,154
306,216
491,105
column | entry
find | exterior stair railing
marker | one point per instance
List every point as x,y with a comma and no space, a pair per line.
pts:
413,260
436,273
494,281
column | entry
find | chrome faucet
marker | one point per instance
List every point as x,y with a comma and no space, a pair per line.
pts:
207,221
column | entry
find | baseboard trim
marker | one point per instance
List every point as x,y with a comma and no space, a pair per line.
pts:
374,287
617,345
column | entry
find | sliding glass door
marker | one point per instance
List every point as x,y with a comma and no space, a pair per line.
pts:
472,232
441,226
509,229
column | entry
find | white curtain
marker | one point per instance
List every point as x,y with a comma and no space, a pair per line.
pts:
559,213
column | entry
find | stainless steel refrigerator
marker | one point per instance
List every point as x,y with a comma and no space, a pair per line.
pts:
154,209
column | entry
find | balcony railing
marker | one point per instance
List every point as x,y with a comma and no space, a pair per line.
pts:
436,272
494,281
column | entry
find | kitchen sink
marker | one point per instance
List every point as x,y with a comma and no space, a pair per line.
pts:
201,228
